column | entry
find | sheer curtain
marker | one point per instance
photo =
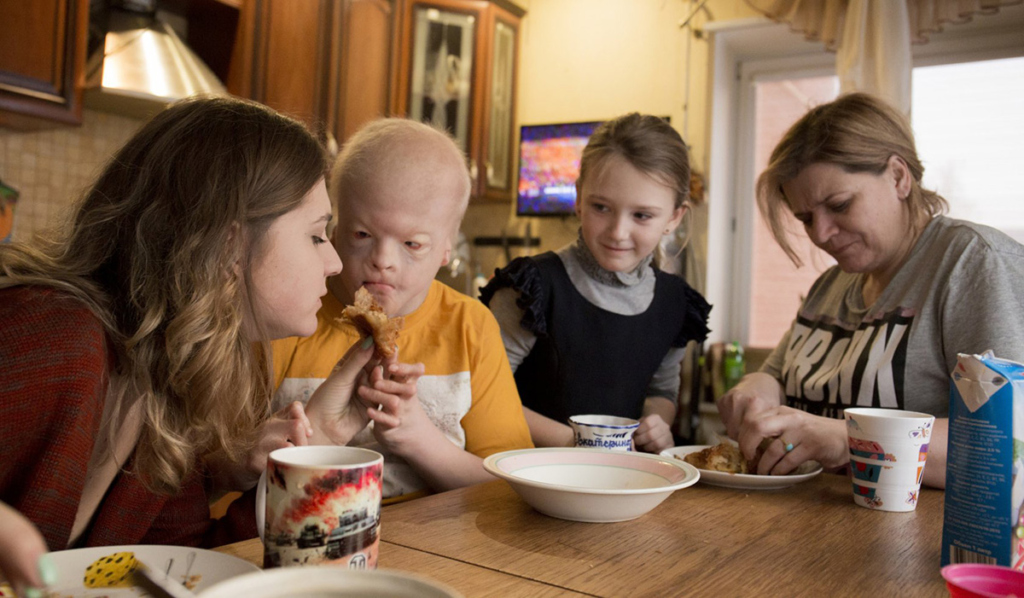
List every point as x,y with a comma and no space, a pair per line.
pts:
871,38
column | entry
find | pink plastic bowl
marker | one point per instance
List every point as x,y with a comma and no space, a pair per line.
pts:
983,581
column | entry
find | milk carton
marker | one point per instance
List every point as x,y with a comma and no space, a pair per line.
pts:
984,522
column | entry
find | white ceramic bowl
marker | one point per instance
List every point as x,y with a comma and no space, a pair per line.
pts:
328,582
592,485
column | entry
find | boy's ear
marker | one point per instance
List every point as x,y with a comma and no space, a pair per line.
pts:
447,252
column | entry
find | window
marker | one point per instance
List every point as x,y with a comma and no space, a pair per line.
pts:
968,117
777,286
975,159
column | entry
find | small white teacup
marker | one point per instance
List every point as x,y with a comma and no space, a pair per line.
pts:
604,431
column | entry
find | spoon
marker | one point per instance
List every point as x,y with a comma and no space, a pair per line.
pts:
159,586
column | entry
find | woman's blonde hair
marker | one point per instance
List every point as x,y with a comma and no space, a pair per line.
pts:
858,133
161,249
649,144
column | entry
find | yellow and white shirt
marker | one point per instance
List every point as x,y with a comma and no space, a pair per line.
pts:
467,390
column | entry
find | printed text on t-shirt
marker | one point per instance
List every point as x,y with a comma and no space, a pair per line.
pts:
828,367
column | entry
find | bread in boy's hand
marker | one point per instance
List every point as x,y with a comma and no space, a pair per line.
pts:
370,320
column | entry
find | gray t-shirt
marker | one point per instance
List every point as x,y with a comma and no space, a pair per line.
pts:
961,290
621,293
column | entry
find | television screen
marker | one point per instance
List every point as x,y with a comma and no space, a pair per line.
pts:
549,163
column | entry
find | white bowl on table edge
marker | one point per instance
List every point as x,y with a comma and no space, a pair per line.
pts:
591,485
326,581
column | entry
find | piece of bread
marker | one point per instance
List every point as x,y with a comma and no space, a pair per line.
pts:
726,457
721,457
370,320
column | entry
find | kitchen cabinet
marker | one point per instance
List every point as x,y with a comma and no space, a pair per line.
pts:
455,67
42,62
325,62
361,67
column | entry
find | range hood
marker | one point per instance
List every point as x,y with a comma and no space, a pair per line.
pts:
143,65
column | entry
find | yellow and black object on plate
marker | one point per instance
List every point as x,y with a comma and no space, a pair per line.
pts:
111,571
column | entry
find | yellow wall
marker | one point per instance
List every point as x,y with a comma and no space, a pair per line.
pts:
596,59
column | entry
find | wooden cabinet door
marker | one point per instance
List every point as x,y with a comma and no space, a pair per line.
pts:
42,61
470,91
498,159
439,76
289,48
325,62
361,65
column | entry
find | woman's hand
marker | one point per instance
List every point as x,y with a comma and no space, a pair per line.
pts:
23,555
755,393
813,438
334,417
399,422
287,427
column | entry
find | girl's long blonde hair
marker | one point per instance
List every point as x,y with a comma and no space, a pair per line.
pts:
161,249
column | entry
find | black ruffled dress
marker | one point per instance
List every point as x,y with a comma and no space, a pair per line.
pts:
587,359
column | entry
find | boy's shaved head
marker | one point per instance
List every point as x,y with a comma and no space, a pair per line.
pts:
398,151
401,189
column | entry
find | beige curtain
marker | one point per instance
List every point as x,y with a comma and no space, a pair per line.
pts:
871,38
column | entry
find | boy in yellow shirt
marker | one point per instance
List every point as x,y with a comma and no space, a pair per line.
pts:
401,189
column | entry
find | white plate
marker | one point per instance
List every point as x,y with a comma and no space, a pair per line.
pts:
743,481
210,567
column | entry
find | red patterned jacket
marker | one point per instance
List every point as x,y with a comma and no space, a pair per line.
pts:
53,381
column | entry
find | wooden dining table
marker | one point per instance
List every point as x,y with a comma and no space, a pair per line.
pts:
809,539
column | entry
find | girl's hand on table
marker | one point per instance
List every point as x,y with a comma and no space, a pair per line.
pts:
333,414
813,438
754,394
24,560
653,435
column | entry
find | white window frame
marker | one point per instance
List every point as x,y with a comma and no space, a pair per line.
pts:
747,51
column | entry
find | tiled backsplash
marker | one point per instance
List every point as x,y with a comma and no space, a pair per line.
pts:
52,168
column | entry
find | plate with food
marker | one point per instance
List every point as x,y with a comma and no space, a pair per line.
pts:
724,465
106,570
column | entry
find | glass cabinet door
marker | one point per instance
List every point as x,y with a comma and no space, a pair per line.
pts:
442,67
499,142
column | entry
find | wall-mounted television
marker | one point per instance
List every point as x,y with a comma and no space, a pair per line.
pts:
549,163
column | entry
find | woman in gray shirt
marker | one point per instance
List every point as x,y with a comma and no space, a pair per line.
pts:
883,327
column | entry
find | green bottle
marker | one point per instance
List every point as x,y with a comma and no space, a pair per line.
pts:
733,366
